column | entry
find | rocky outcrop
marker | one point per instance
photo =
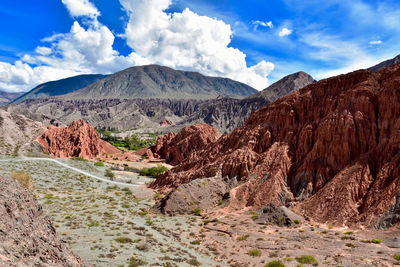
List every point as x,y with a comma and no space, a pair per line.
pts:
331,150
166,123
18,133
188,143
281,216
27,236
79,139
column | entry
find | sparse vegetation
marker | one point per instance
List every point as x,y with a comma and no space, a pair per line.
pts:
109,173
134,262
254,252
307,259
154,171
124,240
276,263
242,238
99,164
80,159
24,179
396,257
196,211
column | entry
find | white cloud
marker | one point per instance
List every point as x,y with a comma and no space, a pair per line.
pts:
79,8
183,40
186,40
285,32
265,24
375,42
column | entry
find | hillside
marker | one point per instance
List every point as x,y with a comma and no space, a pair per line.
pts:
6,97
331,149
153,81
60,87
17,134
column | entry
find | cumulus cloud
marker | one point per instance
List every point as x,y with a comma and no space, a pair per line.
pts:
182,40
186,40
264,24
375,42
79,8
285,32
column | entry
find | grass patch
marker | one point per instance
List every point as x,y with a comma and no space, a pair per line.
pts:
242,238
23,178
99,164
134,262
79,159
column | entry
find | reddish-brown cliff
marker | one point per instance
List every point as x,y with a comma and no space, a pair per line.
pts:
79,139
331,148
189,142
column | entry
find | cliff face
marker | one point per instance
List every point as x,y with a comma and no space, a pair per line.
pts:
331,149
79,139
27,236
188,143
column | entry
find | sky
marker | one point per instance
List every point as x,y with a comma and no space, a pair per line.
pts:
254,42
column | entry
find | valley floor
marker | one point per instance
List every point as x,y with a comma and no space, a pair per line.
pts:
107,224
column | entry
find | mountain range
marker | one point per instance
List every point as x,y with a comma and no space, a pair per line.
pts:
225,113
6,97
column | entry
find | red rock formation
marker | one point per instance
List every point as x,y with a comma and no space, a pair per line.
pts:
333,147
79,139
175,148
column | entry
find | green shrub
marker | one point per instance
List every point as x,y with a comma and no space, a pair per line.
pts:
109,173
99,164
133,262
254,252
196,211
242,238
153,171
376,241
23,178
307,259
124,240
276,263
396,257
195,242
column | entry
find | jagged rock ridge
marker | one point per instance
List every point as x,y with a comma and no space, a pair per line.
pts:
79,139
175,148
331,149
27,236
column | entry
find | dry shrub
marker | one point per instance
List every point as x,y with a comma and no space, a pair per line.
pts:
23,178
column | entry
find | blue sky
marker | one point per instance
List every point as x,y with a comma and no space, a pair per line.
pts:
256,42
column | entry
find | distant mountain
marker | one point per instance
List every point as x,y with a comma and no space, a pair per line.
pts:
285,86
153,81
385,64
60,87
225,113
6,97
